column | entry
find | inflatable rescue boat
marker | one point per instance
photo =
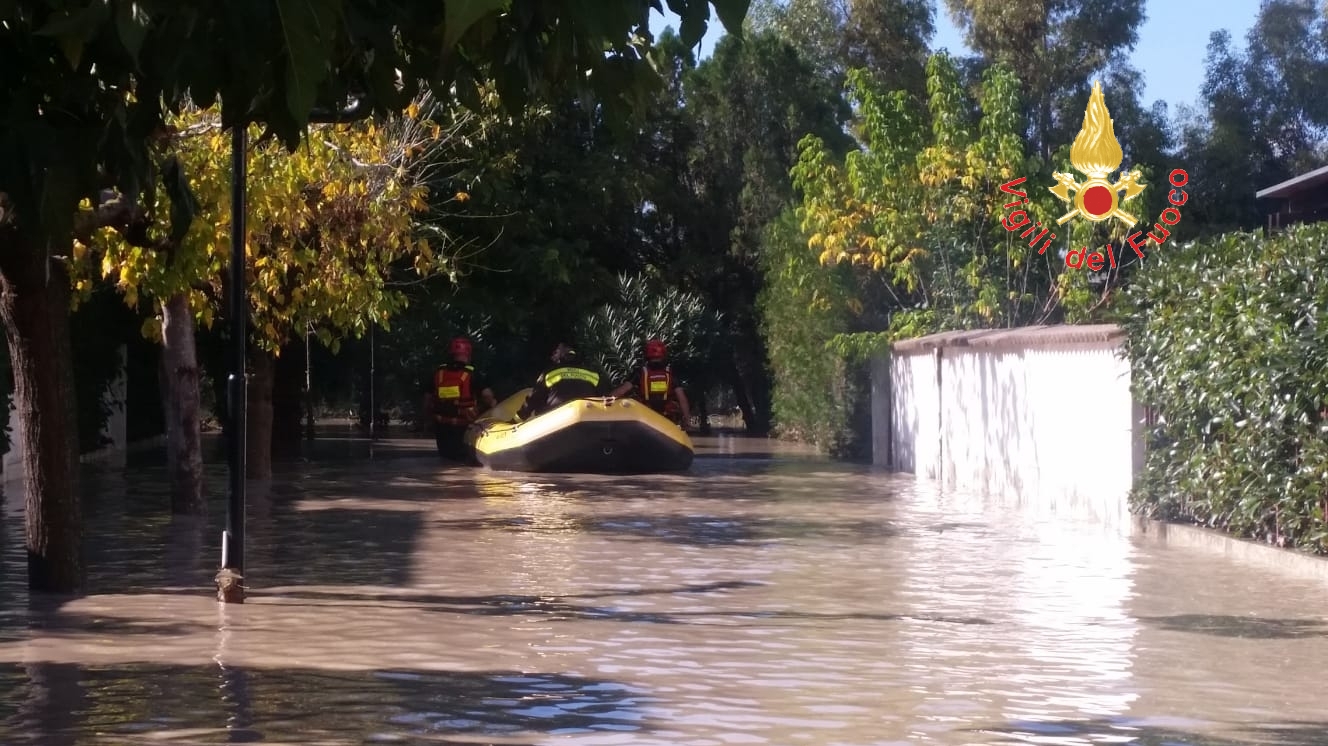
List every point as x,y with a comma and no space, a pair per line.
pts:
598,435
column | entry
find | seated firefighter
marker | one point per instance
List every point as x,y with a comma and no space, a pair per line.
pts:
656,385
453,401
563,381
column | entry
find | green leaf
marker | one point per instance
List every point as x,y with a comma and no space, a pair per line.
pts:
693,26
131,22
309,28
81,24
460,15
732,13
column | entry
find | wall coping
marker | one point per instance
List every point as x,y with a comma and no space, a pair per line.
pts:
1041,337
1293,562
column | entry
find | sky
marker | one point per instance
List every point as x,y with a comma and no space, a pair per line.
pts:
1173,42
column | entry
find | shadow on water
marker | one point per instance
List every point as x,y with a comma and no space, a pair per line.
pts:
1225,625
131,532
53,703
1142,733
706,530
552,609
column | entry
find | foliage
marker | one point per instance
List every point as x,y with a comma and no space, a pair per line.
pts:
745,110
87,88
888,37
1228,342
326,226
1052,46
818,395
612,336
1264,115
925,206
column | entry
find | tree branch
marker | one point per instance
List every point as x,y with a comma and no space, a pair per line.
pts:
121,213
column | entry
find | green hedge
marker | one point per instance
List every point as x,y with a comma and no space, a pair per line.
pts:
819,396
1228,341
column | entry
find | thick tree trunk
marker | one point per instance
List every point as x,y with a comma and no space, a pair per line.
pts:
258,453
182,406
34,306
288,403
701,408
747,387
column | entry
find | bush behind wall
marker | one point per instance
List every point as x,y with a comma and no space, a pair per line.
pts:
1228,340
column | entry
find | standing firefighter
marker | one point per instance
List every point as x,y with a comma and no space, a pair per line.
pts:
453,401
657,386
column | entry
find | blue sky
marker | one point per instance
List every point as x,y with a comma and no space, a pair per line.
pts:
1170,53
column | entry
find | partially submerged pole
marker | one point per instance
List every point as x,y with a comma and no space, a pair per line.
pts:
230,579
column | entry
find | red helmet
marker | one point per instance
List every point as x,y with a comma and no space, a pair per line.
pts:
655,350
460,347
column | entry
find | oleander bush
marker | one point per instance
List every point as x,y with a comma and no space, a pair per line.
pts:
1228,341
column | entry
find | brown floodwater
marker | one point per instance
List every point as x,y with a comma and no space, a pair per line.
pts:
766,597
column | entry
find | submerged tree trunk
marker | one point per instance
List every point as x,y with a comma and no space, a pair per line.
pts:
258,453
288,403
34,305
182,406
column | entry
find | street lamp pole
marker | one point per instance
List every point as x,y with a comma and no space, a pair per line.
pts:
230,578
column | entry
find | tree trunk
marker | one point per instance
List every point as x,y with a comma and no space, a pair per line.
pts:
288,403
182,406
34,305
258,453
755,410
701,408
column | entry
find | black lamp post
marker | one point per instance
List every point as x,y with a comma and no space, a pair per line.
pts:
230,578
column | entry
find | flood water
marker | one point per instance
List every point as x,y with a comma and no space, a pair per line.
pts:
763,598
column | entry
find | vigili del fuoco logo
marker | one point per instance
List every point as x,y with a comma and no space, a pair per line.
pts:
1096,153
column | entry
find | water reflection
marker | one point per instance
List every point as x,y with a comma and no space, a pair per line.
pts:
777,600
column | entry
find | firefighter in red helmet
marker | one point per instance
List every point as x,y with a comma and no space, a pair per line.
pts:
454,400
656,384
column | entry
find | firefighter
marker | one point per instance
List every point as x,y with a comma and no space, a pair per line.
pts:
566,379
656,385
454,405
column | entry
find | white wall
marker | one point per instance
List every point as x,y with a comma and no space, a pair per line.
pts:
1041,416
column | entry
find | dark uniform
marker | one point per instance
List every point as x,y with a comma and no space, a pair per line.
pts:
560,383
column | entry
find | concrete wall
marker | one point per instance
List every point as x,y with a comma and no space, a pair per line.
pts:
1042,416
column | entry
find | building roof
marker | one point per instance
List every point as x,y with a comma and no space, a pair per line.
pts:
1291,186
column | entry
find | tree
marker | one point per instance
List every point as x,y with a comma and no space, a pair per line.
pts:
747,107
1264,116
924,206
887,37
332,222
1052,46
86,90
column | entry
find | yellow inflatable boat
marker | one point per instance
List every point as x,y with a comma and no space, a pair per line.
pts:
600,435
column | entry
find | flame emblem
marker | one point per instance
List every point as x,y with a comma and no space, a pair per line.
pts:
1096,153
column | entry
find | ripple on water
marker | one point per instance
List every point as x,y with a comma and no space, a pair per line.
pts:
764,601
